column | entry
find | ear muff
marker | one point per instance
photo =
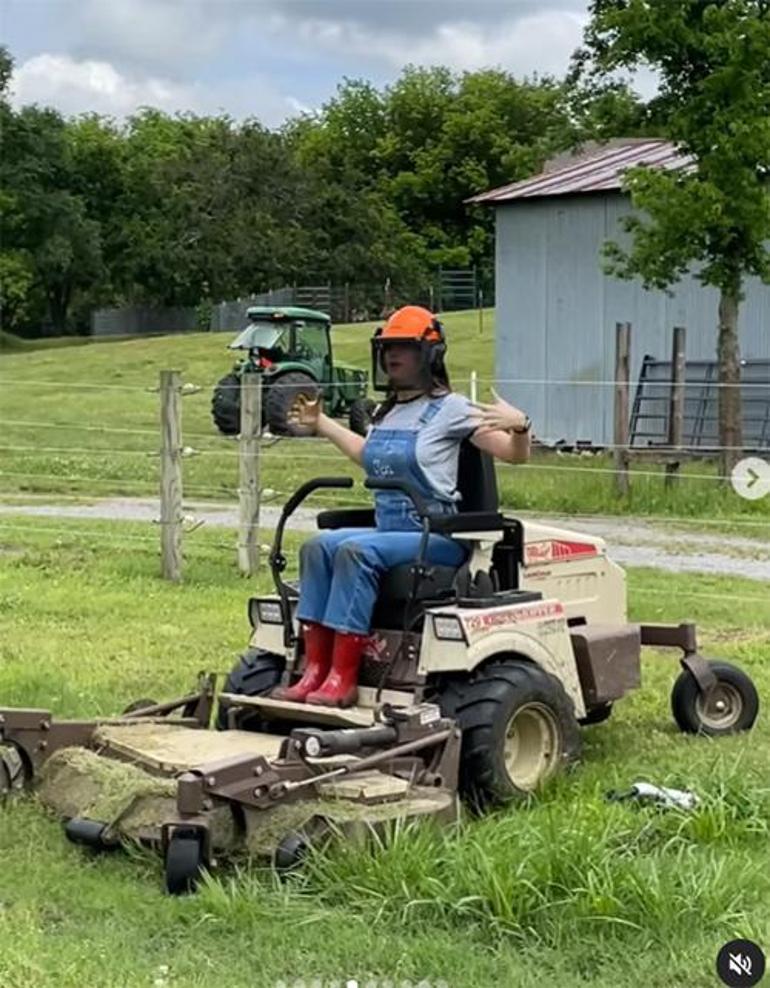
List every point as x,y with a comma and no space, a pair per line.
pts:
438,326
438,350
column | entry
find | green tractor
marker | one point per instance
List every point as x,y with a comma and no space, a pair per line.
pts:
292,348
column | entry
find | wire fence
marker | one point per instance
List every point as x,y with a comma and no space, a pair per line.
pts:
144,543
113,460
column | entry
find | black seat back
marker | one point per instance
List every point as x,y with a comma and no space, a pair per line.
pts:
476,480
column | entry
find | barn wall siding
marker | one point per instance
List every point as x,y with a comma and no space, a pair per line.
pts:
556,314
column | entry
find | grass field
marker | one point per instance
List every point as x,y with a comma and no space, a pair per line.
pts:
570,891
81,421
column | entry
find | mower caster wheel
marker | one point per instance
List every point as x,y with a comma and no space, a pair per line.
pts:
596,715
290,852
729,706
184,864
93,834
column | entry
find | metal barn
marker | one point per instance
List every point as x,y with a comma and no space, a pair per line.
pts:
556,310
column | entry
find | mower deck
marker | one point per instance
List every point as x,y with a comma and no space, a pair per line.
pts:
168,748
163,779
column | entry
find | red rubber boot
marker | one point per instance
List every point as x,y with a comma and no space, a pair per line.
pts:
319,644
340,688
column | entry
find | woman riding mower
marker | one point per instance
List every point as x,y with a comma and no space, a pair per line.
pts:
415,436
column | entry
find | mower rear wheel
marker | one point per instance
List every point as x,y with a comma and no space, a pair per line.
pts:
281,395
518,728
731,705
254,674
360,415
226,405
184,864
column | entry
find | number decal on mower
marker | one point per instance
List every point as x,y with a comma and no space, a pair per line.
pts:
501,617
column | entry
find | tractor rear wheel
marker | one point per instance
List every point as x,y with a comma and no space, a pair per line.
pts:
518,728
226,405
360,415
254,674
281,395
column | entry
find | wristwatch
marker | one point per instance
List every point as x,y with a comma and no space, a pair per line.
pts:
524,428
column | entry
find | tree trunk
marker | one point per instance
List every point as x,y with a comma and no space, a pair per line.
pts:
58,306
730,412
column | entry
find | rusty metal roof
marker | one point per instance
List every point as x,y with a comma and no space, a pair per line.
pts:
599,171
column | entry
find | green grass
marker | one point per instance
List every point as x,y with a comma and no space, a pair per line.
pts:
569,891
9,342
92,430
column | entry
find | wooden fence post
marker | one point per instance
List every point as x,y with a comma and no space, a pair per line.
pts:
676,402
474,386
248,464
622,375
171,474
387,304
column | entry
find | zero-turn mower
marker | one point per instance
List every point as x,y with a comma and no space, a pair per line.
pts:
474,687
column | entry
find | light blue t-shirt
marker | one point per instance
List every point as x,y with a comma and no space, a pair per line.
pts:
438,441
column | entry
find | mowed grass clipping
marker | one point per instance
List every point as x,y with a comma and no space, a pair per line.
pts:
82,420
570,890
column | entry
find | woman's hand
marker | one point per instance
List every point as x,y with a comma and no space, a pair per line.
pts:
500,416
305,413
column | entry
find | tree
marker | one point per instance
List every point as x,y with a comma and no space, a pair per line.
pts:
44,226
711,59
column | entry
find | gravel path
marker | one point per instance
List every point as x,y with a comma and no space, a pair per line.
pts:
631,541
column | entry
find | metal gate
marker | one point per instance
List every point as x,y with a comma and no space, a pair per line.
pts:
651,406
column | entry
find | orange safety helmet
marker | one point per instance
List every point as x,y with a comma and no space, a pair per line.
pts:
410,324
413,322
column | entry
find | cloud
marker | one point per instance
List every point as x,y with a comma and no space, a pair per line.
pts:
268,58
157,34
411,19
540,42
91,86
79,86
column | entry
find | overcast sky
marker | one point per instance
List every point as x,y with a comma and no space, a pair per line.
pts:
264,58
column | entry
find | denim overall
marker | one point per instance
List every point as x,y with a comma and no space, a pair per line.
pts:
340,570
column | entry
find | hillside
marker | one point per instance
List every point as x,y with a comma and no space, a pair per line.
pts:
82,420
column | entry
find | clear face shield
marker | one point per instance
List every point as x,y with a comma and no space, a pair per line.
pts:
401,365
